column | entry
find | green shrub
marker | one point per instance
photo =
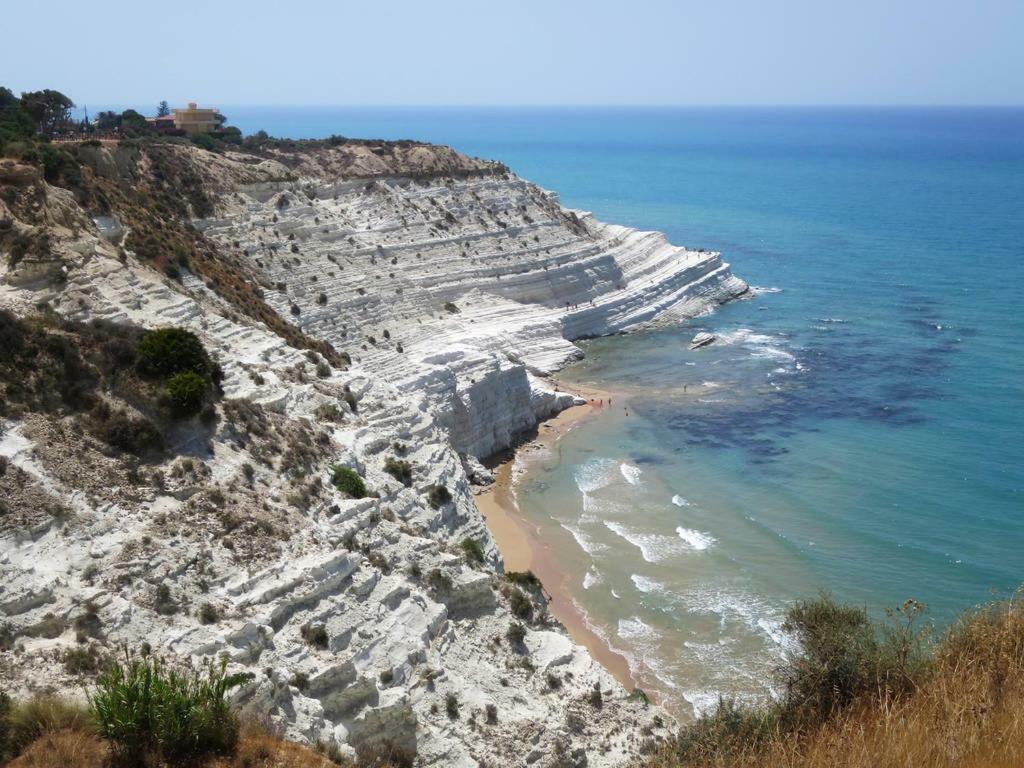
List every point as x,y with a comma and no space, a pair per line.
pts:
727,732
315,635
400,469
438,496
472,549
521,605
205,141
145,709
523,579
185,393
439,580
845,655
208,614
516,634
81,661
167,351
348,481
451,705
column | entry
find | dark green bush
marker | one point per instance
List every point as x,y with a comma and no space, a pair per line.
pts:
523,579
472,549
400,469
205,141
439,580
185,393
845,655
451,705
347,480
521,605
515,634
208,614
167,351
81,661
438,496
145,709
315,635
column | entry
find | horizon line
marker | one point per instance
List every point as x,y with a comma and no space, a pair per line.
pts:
822,105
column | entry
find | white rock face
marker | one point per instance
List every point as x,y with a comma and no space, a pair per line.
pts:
359,617
463,293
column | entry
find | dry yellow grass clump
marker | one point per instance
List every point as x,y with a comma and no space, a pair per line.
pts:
965,708
71,748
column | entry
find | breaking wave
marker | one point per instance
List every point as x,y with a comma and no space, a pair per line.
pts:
696,539
631,473
654,547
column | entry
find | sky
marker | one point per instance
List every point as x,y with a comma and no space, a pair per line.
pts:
519,52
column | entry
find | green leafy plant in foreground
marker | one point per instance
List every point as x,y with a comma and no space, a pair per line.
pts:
146,708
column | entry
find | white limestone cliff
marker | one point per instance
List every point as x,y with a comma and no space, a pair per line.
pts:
456,296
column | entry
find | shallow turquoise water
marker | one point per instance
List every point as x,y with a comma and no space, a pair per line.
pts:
857,428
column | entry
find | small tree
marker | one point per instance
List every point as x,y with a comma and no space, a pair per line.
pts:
108,121
51,110
163,110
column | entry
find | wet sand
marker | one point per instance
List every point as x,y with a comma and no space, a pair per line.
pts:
520,542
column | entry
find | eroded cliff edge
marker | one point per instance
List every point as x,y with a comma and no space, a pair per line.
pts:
367,302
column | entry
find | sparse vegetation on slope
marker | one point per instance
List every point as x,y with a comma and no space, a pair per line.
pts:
109,376
862,695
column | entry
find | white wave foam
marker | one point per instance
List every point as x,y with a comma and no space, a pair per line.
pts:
760,345
696,539
587,542
593,474
591,577
703,702
631,473
647,585
634,629
679,501
654,547
759,616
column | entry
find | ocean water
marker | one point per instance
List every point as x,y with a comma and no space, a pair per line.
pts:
858,427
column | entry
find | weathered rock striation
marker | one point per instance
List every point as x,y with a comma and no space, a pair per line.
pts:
456,289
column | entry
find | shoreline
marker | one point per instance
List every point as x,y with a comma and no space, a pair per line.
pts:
520,543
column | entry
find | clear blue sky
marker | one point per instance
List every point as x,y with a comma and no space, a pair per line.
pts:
480,52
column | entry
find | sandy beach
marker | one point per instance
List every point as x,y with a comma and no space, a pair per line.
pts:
520,543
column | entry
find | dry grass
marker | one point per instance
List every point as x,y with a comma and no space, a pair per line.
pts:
64,749
80,749
73,747
968,712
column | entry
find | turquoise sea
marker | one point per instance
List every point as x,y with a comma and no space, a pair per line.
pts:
859,425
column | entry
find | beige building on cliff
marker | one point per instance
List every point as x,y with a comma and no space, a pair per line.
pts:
194,120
